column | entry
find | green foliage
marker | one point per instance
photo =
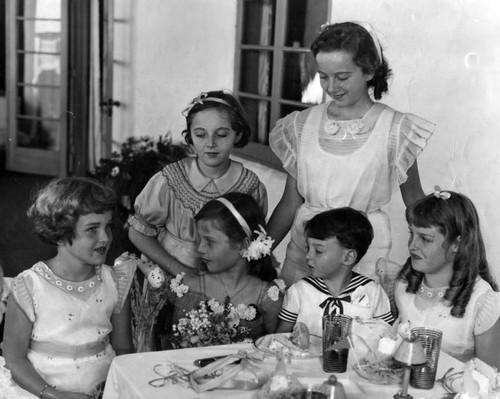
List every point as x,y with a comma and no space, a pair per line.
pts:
139,158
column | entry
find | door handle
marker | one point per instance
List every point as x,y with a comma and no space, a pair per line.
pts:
109,104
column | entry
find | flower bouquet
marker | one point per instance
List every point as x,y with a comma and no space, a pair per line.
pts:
213,323
146,302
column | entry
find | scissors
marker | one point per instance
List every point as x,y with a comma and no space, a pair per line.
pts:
176,375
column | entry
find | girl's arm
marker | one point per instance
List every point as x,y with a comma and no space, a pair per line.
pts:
411,189
121,335
285,327
150,247
487,344
17,336
282,218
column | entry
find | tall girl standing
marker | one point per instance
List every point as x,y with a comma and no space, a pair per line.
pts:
446,283
350,151
163,227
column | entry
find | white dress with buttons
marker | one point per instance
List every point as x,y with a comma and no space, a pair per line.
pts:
427,309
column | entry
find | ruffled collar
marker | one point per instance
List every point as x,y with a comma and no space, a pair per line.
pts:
343,129
200,181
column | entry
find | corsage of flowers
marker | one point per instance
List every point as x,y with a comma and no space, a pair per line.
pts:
260,246
177,286
212,323
274,291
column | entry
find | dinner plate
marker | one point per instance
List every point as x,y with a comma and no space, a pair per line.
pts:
271,347
381,373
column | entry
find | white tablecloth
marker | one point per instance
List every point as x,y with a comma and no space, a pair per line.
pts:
129,375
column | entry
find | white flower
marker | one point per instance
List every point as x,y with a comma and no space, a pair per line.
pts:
273,293
115,171
215,306
245,312
260,246
177,287
281,284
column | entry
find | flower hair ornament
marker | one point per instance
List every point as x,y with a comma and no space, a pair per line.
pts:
261,245
366,26
438,193
202,98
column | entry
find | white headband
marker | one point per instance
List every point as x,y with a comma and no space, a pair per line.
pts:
366,26
237,216
374,37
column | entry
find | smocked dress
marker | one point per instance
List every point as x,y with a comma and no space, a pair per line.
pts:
70,345
267,308
166,206
426,308
357,163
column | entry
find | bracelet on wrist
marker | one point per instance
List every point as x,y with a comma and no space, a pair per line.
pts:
40,395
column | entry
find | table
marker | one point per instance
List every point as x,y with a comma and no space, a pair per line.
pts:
129,375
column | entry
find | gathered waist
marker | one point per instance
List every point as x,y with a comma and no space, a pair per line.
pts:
69,351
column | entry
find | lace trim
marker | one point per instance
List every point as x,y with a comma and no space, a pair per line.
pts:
71,287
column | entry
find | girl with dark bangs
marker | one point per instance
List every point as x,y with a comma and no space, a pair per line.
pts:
446,282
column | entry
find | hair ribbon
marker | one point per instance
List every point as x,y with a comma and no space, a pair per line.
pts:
201,99
438,193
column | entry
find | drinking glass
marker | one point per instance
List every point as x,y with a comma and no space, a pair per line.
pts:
425,376
336,329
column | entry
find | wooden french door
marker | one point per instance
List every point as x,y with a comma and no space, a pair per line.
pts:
48,64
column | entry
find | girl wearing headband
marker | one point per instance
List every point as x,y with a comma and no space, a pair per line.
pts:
349,151
163,228
235,250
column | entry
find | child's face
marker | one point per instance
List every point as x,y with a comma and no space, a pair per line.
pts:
428,251
341,78
213,138
325,258
92,239
216,249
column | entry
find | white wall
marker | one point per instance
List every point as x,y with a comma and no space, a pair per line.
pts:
446,65
166,53
446,62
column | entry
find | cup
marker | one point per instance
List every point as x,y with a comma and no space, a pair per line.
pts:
425,376
336,329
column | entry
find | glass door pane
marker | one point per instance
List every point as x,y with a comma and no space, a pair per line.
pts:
37,59
299,81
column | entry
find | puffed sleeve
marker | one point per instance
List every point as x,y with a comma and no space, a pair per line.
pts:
283,142
123,274
488,311
151,206
291,303
21,289
411,139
